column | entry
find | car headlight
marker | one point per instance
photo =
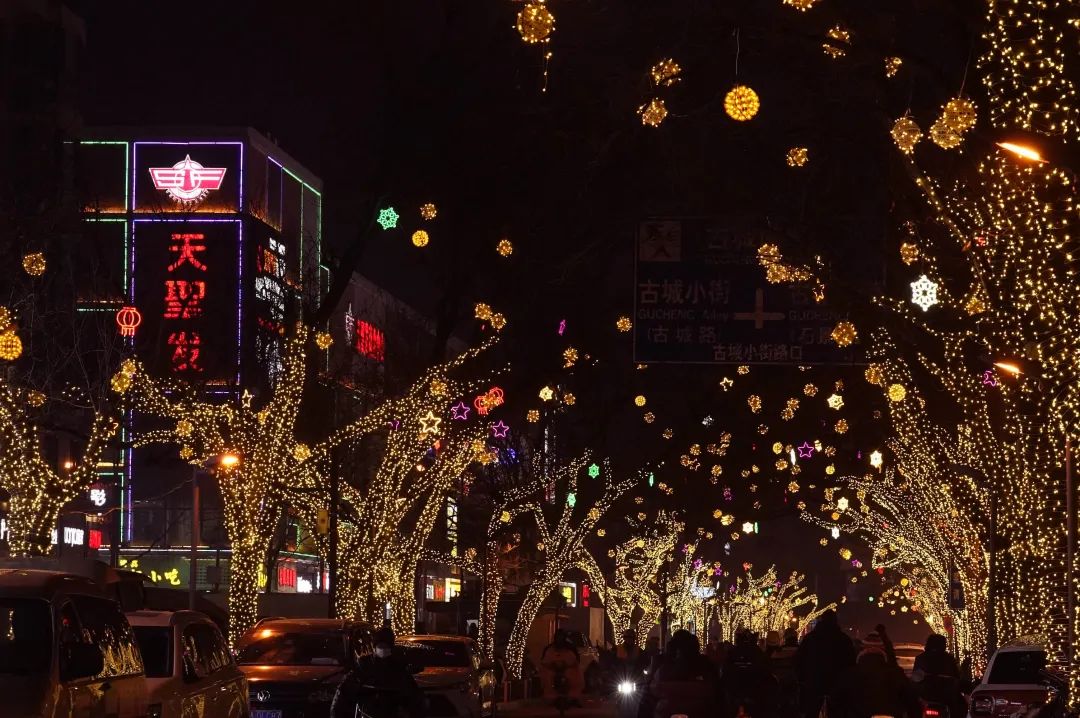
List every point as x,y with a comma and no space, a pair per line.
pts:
323,695
626,687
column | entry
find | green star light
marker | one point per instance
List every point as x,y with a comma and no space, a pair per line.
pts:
387,218
594,471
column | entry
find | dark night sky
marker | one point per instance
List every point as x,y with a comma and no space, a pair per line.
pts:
416,101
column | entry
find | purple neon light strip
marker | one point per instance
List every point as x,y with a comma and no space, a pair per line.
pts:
135,164
239,297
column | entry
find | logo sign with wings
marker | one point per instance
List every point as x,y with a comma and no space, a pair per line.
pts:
187,182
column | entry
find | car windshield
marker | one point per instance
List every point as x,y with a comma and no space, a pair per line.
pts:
435,654
312,648
1017,667
25,636
156,646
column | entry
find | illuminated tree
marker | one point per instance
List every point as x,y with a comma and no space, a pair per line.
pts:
765,604
561,539
386,521
632,588
36,489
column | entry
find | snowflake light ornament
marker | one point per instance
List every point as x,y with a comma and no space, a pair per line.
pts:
924,293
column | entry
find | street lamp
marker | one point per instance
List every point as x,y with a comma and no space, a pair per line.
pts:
225,461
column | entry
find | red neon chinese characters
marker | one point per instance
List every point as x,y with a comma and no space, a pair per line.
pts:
370,342
186,250
183,298
184,295
185,356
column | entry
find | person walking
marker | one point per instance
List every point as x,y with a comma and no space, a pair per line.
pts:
821,660
874,686
684,682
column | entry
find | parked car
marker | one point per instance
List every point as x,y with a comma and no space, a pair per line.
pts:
1012,681
294,666
590,657
188,666
455,680
66,649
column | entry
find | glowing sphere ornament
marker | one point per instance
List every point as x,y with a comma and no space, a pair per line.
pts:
535,23
428,211
741,103
653,112
35,398
945,136
323,340
924,293
34,264
959,114
906,134
420,238
639,400
797,157
623,324
505,248
909,253
387,218
10,346
844,334
892,66
897,392
801,5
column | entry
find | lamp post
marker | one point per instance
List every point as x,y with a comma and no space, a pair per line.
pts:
227,461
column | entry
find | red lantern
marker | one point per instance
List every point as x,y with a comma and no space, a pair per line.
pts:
128,319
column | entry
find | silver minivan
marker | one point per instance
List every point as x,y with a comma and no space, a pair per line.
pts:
66,649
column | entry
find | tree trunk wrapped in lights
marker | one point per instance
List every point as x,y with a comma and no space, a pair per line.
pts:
561,544
638,561
264,441
38,492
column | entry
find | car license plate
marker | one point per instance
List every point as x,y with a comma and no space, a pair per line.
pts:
265,714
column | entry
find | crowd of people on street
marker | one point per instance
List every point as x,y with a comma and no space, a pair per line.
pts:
824,674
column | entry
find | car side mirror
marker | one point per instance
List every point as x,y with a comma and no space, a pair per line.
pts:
81,660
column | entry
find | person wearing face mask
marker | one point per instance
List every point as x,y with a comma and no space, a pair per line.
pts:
381,685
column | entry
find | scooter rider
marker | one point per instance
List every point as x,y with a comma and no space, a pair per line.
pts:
381,683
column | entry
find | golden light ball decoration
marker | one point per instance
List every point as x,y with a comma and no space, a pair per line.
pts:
535,23
623,324
505,247
5,318
906,134
420,238
909,253
797,157
959,114
653,112
844,334
944,136
323,340
11,346
801,5
897,392
892,66
838,39
428,211
34,264
35,398
741,103
640,400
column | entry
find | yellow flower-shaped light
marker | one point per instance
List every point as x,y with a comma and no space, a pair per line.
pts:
741,103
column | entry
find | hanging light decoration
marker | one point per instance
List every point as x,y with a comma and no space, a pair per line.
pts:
906,134
535,23
741,103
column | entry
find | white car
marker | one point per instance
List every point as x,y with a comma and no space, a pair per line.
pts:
189,670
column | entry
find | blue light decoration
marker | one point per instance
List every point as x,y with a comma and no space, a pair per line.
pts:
387,218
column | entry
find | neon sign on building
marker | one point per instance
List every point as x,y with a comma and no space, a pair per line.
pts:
187,181
370,342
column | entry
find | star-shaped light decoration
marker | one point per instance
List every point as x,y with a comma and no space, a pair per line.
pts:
429,423
459,411
842,503
924,293
748,527
594,471
989,379
835,402
876,459
245,399
806,450
547,393
499,429
387,218
726,383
